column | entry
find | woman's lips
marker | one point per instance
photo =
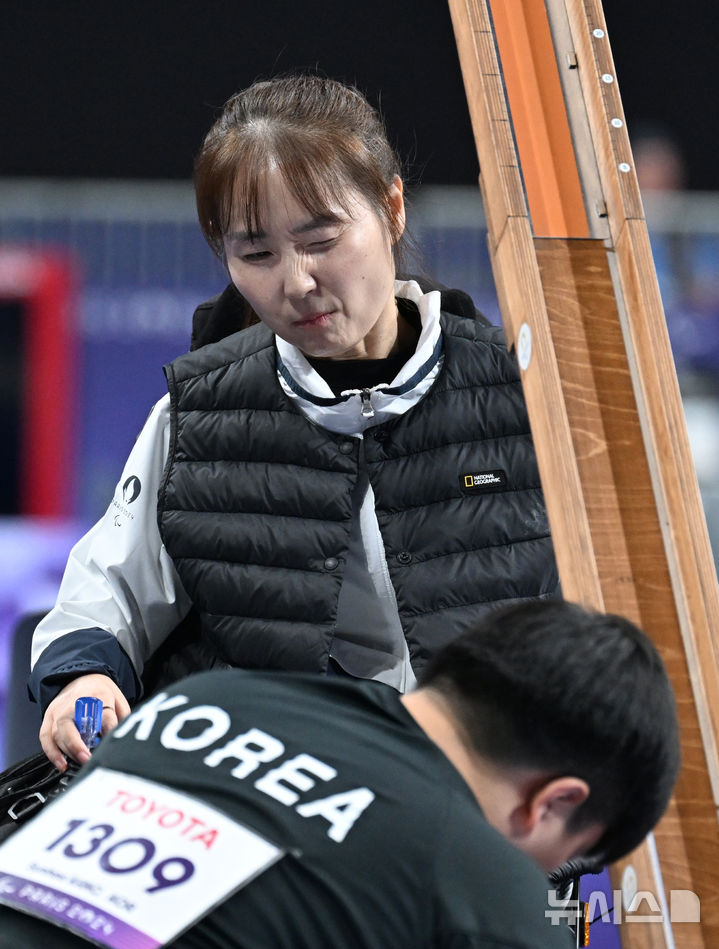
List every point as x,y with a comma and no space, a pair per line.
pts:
314,320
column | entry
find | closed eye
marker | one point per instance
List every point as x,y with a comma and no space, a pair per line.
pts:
256,255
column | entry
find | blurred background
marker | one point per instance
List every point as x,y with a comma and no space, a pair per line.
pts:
102,263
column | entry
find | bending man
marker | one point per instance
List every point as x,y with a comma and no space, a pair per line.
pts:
546,733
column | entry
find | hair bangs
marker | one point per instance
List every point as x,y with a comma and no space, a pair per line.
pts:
315,175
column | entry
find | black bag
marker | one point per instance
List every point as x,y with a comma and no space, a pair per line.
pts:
25,787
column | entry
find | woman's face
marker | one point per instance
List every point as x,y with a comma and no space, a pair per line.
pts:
324,284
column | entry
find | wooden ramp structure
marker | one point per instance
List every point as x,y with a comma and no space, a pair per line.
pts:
581,306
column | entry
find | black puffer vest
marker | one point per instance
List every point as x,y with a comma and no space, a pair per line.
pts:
255,508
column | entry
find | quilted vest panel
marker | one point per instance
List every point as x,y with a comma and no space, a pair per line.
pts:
256,506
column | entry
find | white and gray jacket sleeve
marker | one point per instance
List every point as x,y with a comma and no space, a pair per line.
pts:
120,596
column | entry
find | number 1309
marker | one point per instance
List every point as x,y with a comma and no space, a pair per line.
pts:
122,856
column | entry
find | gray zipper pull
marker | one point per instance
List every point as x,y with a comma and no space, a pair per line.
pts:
366,397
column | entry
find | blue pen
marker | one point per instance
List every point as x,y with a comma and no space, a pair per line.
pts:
88,718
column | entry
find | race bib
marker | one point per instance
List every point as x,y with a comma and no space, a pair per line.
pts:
128,863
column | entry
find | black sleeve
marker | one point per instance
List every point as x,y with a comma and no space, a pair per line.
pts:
81,653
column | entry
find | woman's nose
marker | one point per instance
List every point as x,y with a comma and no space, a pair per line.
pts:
298,277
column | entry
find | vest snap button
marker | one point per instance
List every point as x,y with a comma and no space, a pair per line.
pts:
331,563
404,557
346,447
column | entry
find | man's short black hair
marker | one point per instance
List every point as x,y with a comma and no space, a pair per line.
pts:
553,686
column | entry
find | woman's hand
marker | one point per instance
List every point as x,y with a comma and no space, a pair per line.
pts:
59,735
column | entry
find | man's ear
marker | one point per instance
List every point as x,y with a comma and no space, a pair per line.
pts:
538,825
396,200
552,800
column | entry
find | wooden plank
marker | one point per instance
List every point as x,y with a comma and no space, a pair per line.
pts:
602,396
605,114
597,395
539,119
500,179
690,559
627,538
519,284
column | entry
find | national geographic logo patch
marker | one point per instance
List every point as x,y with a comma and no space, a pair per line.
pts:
483,482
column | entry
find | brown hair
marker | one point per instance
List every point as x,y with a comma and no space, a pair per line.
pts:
324,137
